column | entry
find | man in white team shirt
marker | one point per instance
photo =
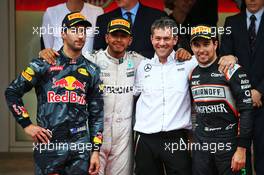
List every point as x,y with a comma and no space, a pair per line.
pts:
53,17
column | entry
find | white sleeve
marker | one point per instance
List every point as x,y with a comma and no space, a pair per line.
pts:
47,35
192,63
138,86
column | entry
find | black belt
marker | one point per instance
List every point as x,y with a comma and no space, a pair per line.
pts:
165,134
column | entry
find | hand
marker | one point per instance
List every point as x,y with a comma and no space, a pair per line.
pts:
182,55
226,62
256,98
94,163
238,159
38,133
49,55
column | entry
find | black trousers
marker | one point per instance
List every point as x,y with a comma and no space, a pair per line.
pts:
215,155
258,140
160,153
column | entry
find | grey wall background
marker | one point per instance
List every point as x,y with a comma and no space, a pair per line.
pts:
4,73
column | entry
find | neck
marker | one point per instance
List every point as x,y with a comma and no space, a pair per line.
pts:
131,5
75,5
71,53
163,60
115,54
209,64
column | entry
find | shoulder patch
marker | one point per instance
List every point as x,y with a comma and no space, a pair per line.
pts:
230,72
30,71
83,71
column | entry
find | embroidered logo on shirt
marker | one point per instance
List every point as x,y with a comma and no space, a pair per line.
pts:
147,67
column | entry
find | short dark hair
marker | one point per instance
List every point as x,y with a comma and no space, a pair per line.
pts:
165,22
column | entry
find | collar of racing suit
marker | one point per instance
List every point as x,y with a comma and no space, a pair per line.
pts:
113,59
68,59
208,65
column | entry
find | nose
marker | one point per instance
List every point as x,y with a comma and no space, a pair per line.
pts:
162,42
81,35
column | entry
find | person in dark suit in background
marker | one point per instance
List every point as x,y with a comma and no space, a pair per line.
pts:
141,17
203,12
246,42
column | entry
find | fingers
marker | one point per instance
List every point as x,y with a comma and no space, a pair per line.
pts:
183,55
42,135
225,63
258,103
49,55
237,165
97,167
92,169
48,133
56,53
40,139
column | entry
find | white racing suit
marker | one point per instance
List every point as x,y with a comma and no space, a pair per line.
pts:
118,78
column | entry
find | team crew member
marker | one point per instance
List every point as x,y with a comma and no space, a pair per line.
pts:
163,109
223,105
68,95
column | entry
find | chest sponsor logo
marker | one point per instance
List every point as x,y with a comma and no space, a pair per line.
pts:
105,74
55,68
67,97
208,109
215,75
112,89
181,69
196,76
147,67
69,83
130,74
205,92
195,83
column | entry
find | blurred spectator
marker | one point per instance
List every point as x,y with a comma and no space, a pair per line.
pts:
179,12
241,4
53,17
203,12
141,16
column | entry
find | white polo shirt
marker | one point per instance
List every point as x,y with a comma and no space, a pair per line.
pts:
164,103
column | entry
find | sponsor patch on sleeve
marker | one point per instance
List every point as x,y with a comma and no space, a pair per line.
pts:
27,76
231,71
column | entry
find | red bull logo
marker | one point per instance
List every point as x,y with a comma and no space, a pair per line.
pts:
20,110
69,83
67,97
